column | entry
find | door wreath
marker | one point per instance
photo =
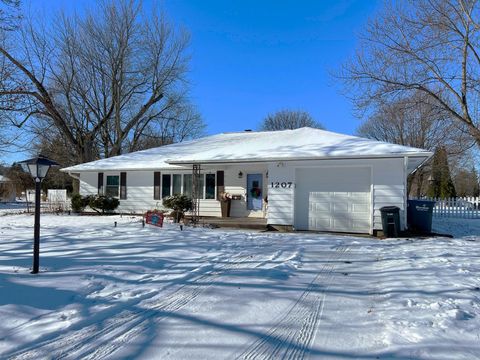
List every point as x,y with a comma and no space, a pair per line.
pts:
256,192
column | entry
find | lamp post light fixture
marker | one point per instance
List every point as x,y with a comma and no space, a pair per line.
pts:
37,167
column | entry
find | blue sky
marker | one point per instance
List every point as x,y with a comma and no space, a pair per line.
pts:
251,58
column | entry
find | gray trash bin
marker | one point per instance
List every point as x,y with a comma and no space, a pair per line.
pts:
419,215
390,220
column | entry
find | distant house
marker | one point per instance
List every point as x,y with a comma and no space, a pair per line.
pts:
7,190
307,179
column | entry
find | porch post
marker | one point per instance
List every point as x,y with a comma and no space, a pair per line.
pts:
405,177
196,191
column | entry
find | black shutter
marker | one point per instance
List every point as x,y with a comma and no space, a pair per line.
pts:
220,183
156,185
100,183
123,185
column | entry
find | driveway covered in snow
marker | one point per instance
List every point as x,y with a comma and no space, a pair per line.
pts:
130,292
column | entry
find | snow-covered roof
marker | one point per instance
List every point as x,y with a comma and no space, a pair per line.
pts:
4,179
299,144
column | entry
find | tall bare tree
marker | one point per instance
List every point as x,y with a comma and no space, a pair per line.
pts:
9,14
9,20
428,46
417,121
289,119
97,80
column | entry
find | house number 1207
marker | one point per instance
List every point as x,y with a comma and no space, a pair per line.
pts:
284,185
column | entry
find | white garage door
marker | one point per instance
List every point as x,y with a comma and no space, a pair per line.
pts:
333,199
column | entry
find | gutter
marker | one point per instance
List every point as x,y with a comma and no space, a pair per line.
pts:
421,164
183,163
426,154
73,175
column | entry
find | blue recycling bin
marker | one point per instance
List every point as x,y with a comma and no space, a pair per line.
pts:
419,215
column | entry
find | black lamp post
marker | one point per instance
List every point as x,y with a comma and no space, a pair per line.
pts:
37,167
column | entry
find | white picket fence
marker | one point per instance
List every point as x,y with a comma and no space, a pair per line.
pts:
55,201
460,207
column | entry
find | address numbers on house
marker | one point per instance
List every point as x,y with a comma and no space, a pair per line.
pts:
281,185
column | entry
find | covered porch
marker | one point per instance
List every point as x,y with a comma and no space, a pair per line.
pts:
243,185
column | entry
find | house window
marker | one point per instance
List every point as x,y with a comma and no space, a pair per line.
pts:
187,185
210,186
174,184
166,182
177,184
112,188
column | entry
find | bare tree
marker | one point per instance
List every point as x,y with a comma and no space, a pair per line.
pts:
289,119
98,80
9,20
183,122
416,121
428,46
9,14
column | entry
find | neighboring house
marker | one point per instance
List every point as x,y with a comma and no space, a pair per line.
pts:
7,190
311,179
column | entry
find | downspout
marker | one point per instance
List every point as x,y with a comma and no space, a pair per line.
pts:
405,198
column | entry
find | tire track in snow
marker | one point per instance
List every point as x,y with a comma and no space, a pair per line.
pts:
97,342
285,340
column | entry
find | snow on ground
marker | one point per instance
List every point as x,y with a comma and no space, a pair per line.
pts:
9,208
148,293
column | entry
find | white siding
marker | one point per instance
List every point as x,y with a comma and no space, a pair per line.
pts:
280,200
140,190
388,187
210,208
88,183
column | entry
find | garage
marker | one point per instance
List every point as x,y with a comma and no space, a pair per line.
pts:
333,199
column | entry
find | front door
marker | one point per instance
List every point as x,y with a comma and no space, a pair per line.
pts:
254,191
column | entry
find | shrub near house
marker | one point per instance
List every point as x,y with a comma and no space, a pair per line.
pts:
180,204
100,204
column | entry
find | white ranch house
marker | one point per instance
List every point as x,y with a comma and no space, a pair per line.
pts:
306,179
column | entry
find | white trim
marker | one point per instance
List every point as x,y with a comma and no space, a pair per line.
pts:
74,175
405,195
183,163
424,154
372,205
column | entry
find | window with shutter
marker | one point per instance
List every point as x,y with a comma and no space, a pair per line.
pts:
156,185
100,183
123,185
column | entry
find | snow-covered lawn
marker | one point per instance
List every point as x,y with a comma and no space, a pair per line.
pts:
17,207
130,292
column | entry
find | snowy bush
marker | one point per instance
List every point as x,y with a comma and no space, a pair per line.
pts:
103,204
79,203
179,204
